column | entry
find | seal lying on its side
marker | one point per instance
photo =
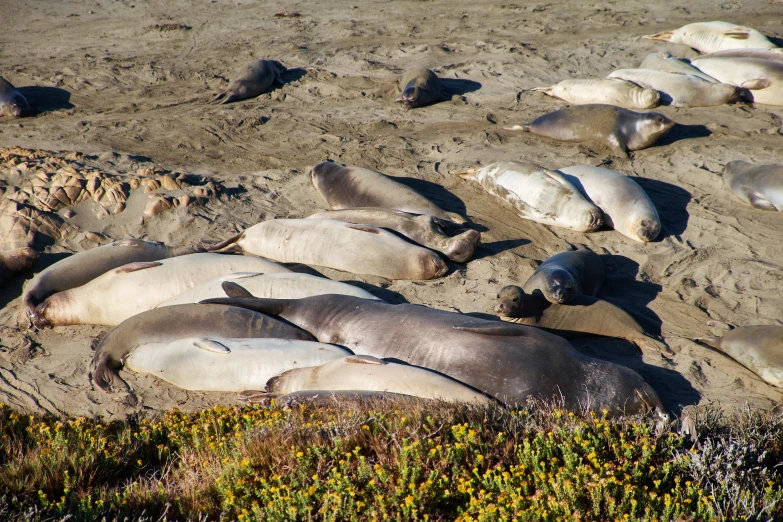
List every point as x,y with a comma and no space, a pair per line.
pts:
575,272
757,348
252,80
12,102
583,315
681,90
621,129
762,78
709,37
760,186
420,87
612,92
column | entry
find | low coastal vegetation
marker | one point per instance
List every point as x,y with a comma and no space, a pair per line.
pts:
402,460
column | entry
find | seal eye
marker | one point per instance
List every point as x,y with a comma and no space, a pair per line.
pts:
515,300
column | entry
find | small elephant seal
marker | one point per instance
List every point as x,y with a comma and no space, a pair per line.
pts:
757,348
164,325
253,79
420,87
423,229
709,37
667,63
507,361
355,187
12,103
760,186
625,205
681,90
621,129
538,194
762,78
611,92
583,315
363,372
575,272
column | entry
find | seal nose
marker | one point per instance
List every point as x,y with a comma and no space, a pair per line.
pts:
501,309
648,230
408,96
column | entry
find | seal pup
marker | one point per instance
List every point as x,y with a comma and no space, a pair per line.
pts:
757,348
575,272
419,87
582,315
363,372
709,37
763,78
667,63
253,79
681,90
621,129
423,229
360,249
612,92
538,194
506,361
227,364
164,325
759,186
625,205
356,187
12,102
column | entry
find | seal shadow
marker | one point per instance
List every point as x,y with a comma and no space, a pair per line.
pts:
436,193
13,288
623,290
294,74
452,86
681,131
46,99
670,201
390,296
490,249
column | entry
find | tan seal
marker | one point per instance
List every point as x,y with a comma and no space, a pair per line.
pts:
760,186
709,37
611,91
420,87
253,79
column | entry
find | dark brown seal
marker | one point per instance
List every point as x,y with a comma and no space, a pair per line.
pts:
420,87
12,103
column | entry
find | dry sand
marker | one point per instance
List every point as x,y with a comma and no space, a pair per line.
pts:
112,80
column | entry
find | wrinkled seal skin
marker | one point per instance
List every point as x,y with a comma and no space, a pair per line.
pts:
565,274
322,397
509,362
254,79
760,186
667,63
762,78
81,268
757,348
621,129
12,103
164,325
425,230
583,315
681,90
709,37
356,187
612,91
420,87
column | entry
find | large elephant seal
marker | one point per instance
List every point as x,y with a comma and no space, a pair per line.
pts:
12,102
538,194
363,372
757,348
509,362
137,287
360,249
582,315
227,364
667,63
763,79
164,325
611,92
681,90
575,272
760,186
420,87
625,205
82,267
423,229
253,79
621,129
355,187
709,37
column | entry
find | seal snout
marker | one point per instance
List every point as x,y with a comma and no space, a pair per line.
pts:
409,97
648,230
595,219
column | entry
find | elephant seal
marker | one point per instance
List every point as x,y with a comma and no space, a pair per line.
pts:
420,87
757,348
625,205
253,79
82,267
227,364
621,129
538,194
582,315
760,186
681,90
164,325
363,372
355,187
575,272
137,287
360,249
12,102
709,37
667,63
423,229
762,78
612,92
509,362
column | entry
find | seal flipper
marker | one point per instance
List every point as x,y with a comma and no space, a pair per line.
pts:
712,342
223,245
364,359
524,127
234,290
135,267
255,396
759,201
364,228
210,345
737,33
265,306
493,328
219,97
665,36
645,342
756,84
105,377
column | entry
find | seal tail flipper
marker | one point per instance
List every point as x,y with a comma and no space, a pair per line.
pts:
756,84
647,343
524,127
469,174
255,396
760,202
217,98
666,36
545,90
105,377
234,290
456,218
227,244
712,342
